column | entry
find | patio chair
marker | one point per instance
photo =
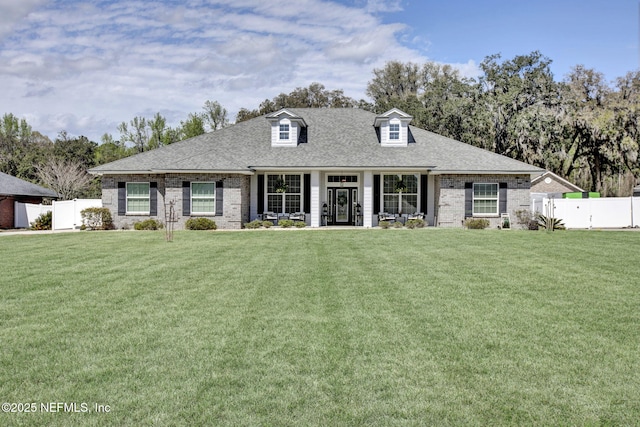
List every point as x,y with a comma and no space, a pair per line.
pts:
270,216
416,215
297,216
386,216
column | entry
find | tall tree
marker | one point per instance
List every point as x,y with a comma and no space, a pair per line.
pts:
136,132
157,126
513,91
193,126
396,85
67,178
215,115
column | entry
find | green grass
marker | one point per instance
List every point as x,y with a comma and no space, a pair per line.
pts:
334,327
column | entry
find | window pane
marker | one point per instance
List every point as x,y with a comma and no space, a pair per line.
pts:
394,131
284,131
272,181
138,205
389,183
293,183
274,203
391,203
409,203
411,181
203,205
485,207
138,197
203,189
485,191
138,189
292,203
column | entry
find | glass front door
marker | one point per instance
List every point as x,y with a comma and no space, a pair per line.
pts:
341,205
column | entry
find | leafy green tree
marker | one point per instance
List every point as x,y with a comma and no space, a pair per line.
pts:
109,150
136,132
396,86
215,115
513,92
193,126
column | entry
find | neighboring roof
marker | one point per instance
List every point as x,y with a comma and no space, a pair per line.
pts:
558,178
12,186
336,138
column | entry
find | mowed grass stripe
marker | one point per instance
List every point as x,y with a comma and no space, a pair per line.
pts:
336,327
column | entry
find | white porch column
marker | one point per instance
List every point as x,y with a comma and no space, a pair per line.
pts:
253,194
315,199
367,200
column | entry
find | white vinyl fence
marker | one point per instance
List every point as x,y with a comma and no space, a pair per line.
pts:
606,212
66,214
26,213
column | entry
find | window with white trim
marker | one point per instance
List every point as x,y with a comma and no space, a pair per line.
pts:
394,131
284,193
400,194
138,198
485,199
284,132
203,198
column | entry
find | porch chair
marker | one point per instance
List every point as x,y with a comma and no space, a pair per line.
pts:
297,216
270,216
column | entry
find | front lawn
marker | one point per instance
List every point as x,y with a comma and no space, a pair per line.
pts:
332,327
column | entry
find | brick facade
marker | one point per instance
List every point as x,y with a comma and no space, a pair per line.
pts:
450,199
7,207
235,211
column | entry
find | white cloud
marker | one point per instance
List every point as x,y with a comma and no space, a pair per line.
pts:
84,67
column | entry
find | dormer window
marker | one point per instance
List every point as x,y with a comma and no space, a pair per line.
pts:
287,129
393,128
394,131
284,132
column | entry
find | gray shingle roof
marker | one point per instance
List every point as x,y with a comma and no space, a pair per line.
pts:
336,138
12,186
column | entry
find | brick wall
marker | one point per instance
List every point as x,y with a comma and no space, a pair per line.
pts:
450,199
6,211
235,198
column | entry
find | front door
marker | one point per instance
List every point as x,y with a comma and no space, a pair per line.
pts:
341,205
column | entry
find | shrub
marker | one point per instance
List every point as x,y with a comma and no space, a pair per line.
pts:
527,219
476,223
96,219
384,224
267,224
415,223
200,224
398,224
300,224
253,224
43,222
148,224
285,223
548,223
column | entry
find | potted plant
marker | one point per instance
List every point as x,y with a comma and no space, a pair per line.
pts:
281,186
400,187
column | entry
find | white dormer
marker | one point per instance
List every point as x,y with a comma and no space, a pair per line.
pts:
285,128
394,128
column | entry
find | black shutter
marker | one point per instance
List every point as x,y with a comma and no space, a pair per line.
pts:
503,197
153,198
186,198
376,194
307,193
424,193
122,198
260,209
219,196
468,199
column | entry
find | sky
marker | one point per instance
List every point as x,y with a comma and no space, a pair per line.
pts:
85,66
